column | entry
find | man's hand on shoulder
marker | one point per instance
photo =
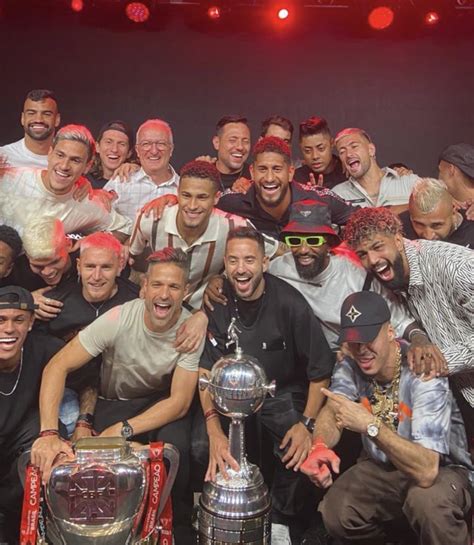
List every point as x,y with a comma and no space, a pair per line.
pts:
213,292
425,359
47,308
157,206
124,172
191,333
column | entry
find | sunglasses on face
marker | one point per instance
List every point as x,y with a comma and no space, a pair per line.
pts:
313,241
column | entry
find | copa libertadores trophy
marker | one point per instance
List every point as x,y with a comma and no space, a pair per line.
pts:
237,509
113,493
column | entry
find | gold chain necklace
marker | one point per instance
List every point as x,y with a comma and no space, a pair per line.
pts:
384,401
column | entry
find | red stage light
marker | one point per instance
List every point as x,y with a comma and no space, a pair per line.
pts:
381,17
214,12
137,12
432,18
77,5
283,14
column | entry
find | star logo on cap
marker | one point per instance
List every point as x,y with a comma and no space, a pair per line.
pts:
305,213
353,314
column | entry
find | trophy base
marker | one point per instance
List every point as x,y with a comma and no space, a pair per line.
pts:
217,530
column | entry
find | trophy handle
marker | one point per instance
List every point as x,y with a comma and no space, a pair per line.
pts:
271,388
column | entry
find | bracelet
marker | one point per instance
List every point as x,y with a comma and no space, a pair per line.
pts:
211,413
47,433
83,424
210,417
416,331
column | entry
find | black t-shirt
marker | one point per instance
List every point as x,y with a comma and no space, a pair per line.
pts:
337,176
228,180
97,182
37,351
462,236
247,206
77,313
285,337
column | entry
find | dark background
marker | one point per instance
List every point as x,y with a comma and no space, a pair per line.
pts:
412,90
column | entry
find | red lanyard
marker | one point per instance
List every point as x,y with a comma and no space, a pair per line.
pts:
31,506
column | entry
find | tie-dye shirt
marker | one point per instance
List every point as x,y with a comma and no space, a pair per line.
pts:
428,414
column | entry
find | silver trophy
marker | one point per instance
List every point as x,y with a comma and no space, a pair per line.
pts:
236,510
100,498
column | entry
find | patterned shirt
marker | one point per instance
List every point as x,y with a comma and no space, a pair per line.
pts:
441,297
394,190
207,252
428,414
139,190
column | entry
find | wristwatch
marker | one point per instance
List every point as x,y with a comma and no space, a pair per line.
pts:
308,422
127,430
373,428
88,418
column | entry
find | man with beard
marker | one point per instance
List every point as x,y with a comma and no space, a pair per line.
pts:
368,184
146,386
23,356
433,215
39,119
320,166
326,276
267,202
435,279
416,465
277,327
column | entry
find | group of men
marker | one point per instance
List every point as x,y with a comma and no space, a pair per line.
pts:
120,278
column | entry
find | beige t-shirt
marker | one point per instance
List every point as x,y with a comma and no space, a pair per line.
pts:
136,362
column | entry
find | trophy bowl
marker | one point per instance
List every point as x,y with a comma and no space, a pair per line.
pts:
237,385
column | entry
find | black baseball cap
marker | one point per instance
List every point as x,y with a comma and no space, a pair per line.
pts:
120,126
460,155
362,316
310,217
16,297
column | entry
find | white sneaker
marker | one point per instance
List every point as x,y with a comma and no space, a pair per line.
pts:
280,534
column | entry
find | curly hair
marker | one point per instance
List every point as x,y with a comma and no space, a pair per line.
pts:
11,238
203,170
272,144
367,222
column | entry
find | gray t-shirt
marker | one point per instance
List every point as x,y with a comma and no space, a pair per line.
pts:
136,362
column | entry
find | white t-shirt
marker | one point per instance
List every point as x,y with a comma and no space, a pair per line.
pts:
18,155
327,292
139,368
23,196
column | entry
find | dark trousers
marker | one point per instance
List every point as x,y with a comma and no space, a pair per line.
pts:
369,497
294,497
11,490
177,433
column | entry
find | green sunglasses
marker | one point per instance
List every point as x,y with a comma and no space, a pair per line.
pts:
313,241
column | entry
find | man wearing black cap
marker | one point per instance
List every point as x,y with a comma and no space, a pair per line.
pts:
456,169
325,275
23,355
417,465
113,147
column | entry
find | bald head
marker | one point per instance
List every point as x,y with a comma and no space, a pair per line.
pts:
432,211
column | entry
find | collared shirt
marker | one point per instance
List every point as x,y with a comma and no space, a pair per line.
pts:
247,206
326,293
394,190
463,235
207,252
139,190
23,196
427,412
18,155
441,297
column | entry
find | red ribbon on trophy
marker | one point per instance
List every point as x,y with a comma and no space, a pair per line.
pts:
157,482
31,506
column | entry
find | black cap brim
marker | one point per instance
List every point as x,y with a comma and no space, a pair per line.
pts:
361,334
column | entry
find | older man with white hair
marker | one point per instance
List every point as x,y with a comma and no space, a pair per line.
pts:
433,215
155,178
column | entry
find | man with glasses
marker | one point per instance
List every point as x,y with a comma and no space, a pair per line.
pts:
326,275
155,178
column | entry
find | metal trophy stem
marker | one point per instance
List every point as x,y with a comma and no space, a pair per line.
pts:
236,510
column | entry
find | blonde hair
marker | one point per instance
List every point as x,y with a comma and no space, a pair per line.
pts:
427,193
43,237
